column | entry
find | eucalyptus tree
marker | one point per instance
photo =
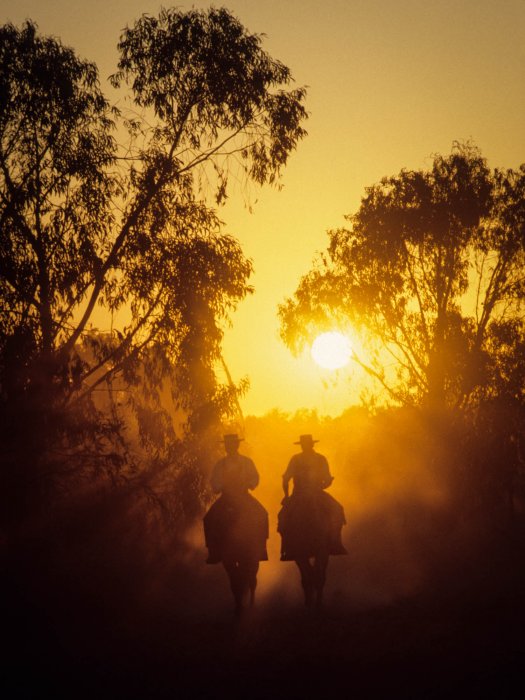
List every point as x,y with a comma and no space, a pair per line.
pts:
430,271
93,223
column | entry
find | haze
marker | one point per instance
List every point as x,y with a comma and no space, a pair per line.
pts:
389,85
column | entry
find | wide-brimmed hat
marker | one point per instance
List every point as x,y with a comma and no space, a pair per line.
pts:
305,440
231,437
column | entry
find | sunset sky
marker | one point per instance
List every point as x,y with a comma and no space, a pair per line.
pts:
389,84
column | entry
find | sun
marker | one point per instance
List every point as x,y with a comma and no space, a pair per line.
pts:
331,350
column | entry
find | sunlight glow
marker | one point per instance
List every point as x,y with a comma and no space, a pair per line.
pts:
331,350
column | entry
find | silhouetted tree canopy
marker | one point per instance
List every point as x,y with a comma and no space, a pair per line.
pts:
431,272
104,220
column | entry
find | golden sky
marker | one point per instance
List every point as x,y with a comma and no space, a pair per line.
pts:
390,84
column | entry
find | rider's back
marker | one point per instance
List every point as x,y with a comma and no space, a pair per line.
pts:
234,475
310,473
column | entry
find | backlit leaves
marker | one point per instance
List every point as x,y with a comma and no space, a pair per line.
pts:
430,266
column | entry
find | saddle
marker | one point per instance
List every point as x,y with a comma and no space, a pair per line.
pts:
236,527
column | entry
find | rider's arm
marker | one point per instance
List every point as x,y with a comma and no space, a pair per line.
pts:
287,476
326,477
251,474
216,477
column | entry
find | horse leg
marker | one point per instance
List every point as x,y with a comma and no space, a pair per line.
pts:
234,575
249,569
307,579
319,575
254,568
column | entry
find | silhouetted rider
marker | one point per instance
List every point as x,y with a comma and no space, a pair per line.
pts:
310,520
234,474
236,525
309,470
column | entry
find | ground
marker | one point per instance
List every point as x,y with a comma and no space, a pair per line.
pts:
464,640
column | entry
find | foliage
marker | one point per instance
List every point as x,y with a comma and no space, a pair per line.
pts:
94,231
431,273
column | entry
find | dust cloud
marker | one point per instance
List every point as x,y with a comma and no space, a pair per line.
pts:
392,473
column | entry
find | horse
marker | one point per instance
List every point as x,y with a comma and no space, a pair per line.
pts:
310,528
236,530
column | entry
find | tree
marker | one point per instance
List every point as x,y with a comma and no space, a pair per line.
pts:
88,224
431,272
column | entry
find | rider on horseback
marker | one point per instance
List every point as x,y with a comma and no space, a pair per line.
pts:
236,525
310,520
